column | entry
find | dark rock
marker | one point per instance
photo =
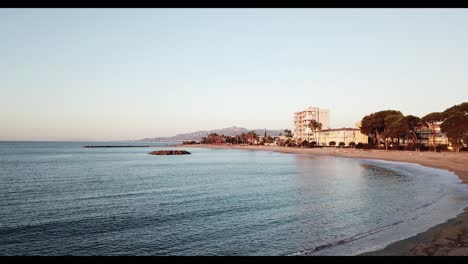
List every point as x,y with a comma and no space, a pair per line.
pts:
170,152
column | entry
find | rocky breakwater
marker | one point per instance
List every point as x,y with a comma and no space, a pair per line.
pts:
170,152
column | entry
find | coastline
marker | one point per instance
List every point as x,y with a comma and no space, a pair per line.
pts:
449,238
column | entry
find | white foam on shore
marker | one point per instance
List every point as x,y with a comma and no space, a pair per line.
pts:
422,220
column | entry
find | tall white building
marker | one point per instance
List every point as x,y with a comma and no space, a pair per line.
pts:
303,118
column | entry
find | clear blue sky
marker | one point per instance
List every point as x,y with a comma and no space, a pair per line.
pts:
110,74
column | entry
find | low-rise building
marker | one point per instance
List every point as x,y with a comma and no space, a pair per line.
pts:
346,135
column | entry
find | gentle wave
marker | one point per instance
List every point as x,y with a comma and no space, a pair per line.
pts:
343,241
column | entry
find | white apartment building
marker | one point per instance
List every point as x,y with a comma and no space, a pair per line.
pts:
303,118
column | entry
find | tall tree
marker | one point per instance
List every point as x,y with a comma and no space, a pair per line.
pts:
373,125
456,129
314,125
461,108
243,138
251,136
412,123
392,127
430,120
288,133
455,124
397,129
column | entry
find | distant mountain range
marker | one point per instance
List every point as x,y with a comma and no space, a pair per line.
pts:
229,131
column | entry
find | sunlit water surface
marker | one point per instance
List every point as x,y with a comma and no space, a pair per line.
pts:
58,198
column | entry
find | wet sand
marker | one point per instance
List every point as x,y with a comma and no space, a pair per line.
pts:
447,239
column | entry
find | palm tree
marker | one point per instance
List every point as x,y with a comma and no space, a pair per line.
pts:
314,125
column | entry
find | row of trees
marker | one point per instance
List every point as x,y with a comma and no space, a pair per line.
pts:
390,126
244,138
247,138
384,127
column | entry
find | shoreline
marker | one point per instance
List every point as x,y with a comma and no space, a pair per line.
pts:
449,238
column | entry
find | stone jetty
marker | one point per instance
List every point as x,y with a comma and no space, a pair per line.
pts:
170,152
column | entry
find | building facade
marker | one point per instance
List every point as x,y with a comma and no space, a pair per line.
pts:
304,117
346,135
432,135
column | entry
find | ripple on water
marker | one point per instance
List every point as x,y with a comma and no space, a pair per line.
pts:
61,199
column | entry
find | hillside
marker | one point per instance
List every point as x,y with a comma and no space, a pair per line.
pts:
229,131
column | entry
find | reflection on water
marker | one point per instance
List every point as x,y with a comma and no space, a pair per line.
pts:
366,198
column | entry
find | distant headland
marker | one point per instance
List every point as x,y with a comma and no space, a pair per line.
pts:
198,135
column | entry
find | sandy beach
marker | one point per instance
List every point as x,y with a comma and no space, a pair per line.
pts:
447,239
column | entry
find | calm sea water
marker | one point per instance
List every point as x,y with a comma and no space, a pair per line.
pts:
57,198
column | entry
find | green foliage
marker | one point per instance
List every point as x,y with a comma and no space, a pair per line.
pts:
412,121
411,124
432,118
268,139
251,137
374,124
399,126
394,125
461,108
314,125
288,133
456,128
289,143
189,142
245,138
213,139
230,140
364,146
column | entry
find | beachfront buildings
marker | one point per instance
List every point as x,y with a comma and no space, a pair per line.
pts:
337,135
302,119
429,136
432,135
323,137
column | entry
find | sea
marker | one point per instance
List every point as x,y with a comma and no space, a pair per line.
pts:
58,198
